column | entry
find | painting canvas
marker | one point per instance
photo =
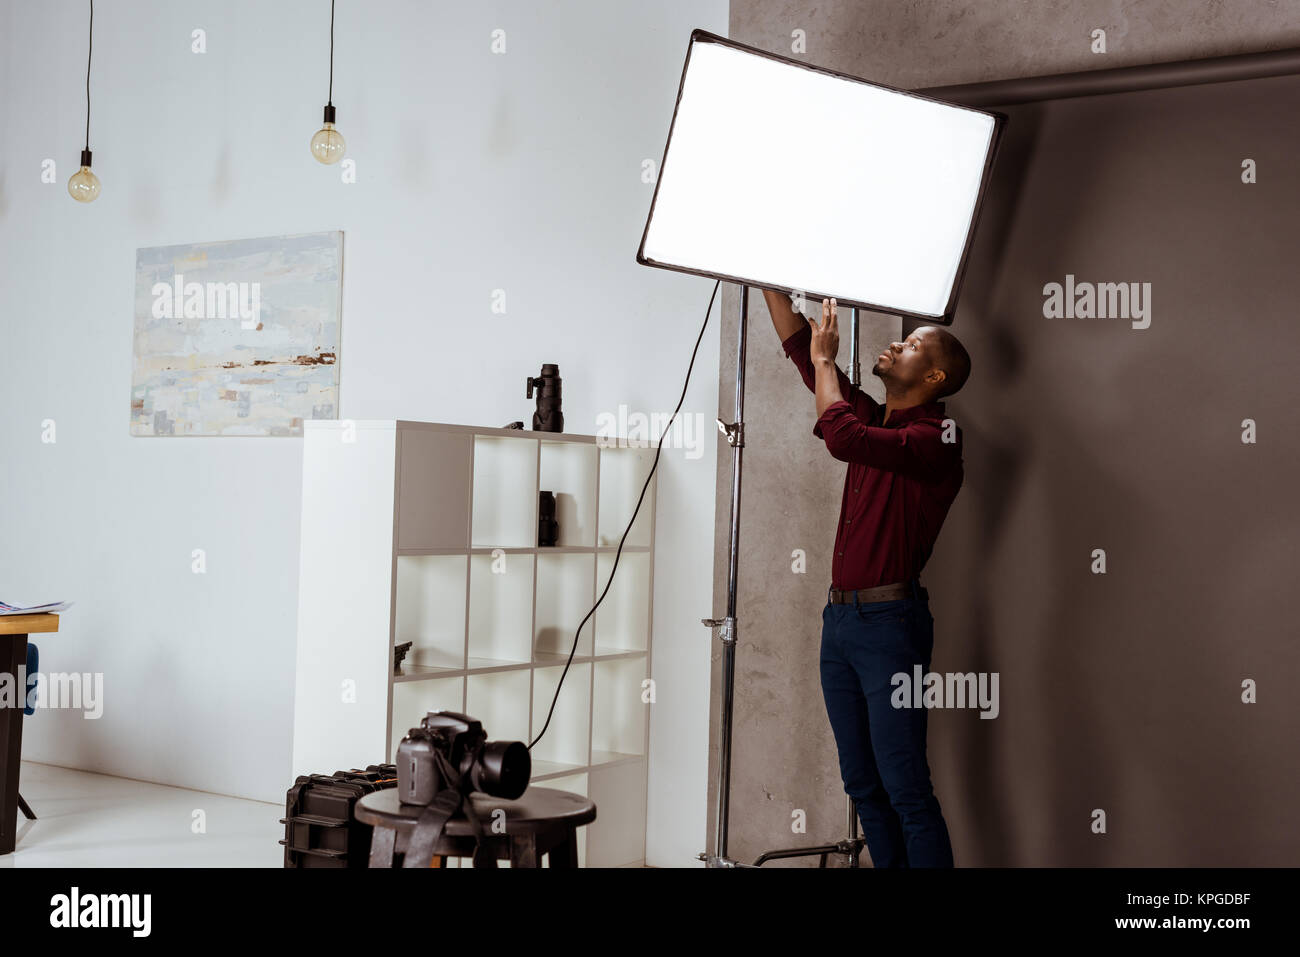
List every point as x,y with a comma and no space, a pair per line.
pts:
238,337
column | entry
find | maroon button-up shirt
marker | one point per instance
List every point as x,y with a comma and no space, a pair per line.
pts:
902,478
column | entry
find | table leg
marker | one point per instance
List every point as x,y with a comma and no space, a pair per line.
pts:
523,851
565,853
13,656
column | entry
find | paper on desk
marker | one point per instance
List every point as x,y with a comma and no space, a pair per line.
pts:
7,609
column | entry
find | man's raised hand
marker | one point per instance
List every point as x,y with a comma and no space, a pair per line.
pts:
825,344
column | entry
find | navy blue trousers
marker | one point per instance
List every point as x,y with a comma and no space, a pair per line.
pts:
882,748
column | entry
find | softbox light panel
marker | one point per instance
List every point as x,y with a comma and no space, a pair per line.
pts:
789,176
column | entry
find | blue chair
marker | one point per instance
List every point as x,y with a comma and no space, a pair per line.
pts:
33,665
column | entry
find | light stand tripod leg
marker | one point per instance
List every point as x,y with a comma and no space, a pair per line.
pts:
854,842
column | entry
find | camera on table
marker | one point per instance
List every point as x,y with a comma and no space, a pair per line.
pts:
451,750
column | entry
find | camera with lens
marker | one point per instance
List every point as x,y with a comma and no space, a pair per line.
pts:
450,750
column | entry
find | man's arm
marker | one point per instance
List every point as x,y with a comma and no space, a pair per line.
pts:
786,321
827,385
796,336
917,449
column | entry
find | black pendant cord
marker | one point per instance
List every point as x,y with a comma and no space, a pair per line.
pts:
330,101
89,50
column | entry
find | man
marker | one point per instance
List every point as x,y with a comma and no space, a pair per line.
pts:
905,468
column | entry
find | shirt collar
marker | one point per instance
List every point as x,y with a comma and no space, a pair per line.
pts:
926,410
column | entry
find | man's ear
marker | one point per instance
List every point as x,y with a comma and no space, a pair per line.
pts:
936,378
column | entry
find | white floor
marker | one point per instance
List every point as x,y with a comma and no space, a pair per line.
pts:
94,820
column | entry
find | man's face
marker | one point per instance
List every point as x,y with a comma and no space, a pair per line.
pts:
904,365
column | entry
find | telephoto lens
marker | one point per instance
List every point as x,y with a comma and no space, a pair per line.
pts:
548,417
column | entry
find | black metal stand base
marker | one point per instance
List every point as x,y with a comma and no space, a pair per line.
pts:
712,860
850,848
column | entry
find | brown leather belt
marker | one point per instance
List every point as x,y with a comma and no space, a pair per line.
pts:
864,596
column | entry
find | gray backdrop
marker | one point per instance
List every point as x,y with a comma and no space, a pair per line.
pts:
1122,691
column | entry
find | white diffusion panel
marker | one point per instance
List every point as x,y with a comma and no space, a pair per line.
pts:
783,176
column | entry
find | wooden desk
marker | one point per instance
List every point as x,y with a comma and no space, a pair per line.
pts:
14,630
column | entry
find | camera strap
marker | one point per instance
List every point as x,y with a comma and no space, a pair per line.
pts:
429,827
483,855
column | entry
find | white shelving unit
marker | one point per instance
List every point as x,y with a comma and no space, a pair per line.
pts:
421,532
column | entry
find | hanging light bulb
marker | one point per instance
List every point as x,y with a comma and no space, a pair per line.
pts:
328,144
84,184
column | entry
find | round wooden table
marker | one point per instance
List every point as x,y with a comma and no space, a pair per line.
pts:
542,821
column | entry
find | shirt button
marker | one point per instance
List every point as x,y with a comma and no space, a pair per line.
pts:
841,554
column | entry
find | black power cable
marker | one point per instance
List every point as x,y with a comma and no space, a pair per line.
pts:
630,521
89,50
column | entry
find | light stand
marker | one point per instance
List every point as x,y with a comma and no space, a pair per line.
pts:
850,847
735,433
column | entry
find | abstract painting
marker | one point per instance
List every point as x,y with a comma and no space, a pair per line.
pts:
238,337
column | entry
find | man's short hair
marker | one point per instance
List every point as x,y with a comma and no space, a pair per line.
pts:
950,356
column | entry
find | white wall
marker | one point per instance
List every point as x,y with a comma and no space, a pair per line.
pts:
475,172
